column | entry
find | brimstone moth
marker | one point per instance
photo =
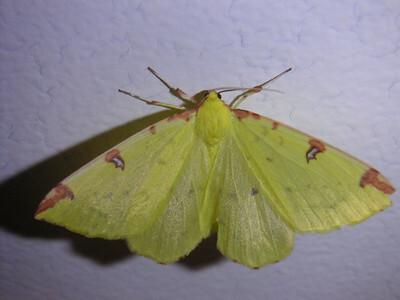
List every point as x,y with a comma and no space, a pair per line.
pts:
216,168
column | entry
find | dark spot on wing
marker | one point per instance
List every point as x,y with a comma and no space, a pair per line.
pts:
114,157
254,191
60,192
315,148
152,129
275,125
374,178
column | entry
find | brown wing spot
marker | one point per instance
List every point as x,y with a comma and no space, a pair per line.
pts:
152,129
241,114
374,178
183,115
275,125
316,147
114,157
60,192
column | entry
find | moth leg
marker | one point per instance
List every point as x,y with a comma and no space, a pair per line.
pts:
255,89
177,92
152,102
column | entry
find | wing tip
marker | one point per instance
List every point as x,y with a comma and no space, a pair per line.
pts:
60,192
377,180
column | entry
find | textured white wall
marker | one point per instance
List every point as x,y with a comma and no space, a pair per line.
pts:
61,65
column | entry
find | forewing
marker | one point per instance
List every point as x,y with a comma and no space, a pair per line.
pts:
122,192
249,231
313,186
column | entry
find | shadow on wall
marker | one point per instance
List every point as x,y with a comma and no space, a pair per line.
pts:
21,194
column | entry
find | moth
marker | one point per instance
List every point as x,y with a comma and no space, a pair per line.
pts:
219,169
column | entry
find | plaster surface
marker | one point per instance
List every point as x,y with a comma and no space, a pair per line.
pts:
61,65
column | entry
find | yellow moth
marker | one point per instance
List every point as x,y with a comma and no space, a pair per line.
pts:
216,168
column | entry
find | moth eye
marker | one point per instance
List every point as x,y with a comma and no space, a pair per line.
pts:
219,96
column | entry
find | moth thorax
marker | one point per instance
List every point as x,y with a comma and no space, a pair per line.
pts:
213,120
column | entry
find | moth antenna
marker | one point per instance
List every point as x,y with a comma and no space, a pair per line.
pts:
177,92
256,89
152,102
234,89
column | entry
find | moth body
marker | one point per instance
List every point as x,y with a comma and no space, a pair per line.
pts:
213,120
